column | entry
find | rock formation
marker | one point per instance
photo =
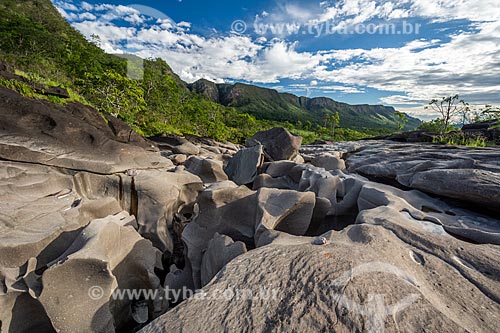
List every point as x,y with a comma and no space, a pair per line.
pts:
102,230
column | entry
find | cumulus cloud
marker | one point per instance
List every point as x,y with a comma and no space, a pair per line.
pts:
468,64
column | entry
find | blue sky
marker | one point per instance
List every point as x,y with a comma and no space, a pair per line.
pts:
394,52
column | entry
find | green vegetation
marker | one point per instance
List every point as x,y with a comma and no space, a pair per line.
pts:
461,139
449,133
402,120
449,107
435,126
271,105
45,49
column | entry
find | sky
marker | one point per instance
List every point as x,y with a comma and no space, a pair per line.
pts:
401,53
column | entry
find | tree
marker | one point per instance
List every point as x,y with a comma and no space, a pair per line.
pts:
308,125
448,108
331,120
401,119
492,113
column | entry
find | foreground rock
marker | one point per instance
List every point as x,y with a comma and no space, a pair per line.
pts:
377,276
282,246
279,144
68,184
108,254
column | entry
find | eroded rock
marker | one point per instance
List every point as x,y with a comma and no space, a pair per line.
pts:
210,171
278,143
220,251
244,166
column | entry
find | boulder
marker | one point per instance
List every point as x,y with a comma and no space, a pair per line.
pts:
37,131
158,196
178,158
220,251
210,171
77,286
41,206
225,210
328,162
371,277
279,144
284,210
176,144
245,164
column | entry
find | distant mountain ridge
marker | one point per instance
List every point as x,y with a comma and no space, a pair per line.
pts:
270,104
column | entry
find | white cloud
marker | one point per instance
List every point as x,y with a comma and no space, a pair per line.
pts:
66,5
87,6
87,16
468,65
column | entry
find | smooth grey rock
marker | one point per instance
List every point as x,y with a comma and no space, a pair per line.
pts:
264,180
186,148
77,286
365,276
328,162
227,210
478,186
161,195
39,205
178,159
244,166
279,144
208,170
284,210
220,251
73,137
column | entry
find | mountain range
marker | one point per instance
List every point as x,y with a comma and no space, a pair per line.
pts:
270,104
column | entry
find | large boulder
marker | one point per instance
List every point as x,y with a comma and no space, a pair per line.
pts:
284,210
225,210
210,171
220,251
73,137
377,276
78,286
244,166
160,195
41,206
279,144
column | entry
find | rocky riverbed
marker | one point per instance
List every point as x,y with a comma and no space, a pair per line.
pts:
274,237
